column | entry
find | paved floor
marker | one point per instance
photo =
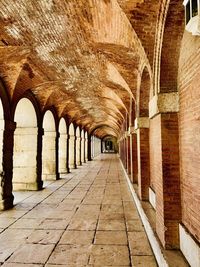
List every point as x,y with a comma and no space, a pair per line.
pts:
87,218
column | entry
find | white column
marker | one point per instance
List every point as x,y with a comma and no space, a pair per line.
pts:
49,156
24,159
71,151
62,153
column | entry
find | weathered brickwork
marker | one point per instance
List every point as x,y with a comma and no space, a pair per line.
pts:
189,88
143,162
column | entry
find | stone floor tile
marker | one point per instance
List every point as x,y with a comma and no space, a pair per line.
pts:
110,238
139,244
12,214
5,222
70,254
103,255
26,223
32,253
58,224
141,261
134,226
111,225
115,201
67,214
63,206
77,237
45,236
93,200
81,224
71,201
21,265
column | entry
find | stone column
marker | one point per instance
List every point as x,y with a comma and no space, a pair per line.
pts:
49,158
78,151
142,130
63,153
164,149
134,160
128,151
6,196
82,149
67,163
72,143
89,155
125,151
25,175
86,149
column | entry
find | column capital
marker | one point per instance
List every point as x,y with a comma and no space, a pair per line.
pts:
164,103
141,122
131,130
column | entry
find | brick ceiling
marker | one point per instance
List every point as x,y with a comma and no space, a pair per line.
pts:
82,57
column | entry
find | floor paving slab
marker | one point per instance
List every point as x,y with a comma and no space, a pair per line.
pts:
87,220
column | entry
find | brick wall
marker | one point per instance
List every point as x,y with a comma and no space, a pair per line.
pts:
189,88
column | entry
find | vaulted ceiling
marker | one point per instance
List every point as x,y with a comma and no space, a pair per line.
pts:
82,57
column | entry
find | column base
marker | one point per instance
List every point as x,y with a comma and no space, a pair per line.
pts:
50,177
7,203
72,166
28,186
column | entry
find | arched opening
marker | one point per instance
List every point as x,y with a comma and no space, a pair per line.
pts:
49,147
142,126
62,146
78,146
25,147
72,164
82,146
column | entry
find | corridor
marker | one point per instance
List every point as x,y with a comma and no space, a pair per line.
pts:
87,218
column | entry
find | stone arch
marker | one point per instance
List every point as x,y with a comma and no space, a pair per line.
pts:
25,174
144,94
142,131
49,168
72,143
62,148
173,28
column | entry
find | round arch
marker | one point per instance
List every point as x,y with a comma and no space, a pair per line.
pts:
25,176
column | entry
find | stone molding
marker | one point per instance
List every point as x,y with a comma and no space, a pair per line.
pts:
164,103
132,130
141,122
